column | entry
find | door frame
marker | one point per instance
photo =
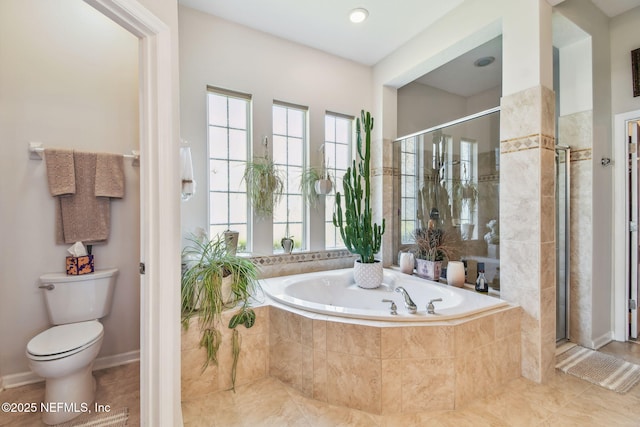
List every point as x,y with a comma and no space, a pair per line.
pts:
621,226
159,214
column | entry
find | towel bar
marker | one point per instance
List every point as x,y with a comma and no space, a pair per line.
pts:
36,150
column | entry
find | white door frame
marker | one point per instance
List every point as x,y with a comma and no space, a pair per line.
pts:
621,227
159,215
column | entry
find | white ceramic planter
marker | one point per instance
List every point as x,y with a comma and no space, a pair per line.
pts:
323,186
368,276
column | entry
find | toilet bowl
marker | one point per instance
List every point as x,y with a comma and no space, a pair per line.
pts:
64,354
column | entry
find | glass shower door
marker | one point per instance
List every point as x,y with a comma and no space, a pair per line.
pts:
562,241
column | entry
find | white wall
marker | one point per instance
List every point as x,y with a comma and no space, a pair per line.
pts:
624,38
69,79
591,20
223,54
576,77
421,107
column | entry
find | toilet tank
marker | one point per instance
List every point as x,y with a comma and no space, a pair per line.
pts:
71,299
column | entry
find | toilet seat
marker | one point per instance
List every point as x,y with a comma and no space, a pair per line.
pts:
64,340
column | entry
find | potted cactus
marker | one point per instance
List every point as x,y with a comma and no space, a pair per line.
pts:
359,233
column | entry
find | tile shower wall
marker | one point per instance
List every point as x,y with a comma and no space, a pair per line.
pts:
527,218
576,131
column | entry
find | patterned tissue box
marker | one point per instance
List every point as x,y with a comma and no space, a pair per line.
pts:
79,265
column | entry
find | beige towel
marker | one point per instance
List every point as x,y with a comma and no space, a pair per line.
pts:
109,175
83,217
60,171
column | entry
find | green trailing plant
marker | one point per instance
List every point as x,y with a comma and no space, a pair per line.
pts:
308,180
265,185
359,233
208,268
247,317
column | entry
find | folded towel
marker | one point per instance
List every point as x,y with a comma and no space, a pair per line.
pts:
60,171
109,175
83,217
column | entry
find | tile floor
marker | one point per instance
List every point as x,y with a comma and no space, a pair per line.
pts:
118,387
564,401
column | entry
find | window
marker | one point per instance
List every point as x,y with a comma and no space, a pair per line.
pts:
228,138
468,174
409,189
289,154
337,157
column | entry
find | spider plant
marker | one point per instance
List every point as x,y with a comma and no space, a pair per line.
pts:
308,180
265,185
209,268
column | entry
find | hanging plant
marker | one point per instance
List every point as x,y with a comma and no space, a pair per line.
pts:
308,181
265,184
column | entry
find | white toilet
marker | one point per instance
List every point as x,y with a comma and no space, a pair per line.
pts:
63,355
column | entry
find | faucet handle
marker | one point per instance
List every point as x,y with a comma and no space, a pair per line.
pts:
393,306
430,307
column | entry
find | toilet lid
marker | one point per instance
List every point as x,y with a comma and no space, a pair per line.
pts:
64,338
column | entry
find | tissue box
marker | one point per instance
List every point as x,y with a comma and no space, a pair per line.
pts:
79,265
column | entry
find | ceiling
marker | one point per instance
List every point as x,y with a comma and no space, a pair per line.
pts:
325,25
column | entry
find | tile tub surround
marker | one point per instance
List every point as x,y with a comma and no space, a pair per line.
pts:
386,368
378,367
253,362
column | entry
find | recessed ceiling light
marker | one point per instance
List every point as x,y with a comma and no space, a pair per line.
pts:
484,61
358,15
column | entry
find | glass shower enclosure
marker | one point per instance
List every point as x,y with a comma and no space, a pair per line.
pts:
448,176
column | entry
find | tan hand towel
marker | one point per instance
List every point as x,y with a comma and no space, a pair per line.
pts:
60,171
83,217
109,175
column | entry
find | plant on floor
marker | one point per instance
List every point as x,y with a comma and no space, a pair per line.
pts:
214,280
359,234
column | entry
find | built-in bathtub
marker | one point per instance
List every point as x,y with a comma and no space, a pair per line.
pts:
339,344
335,293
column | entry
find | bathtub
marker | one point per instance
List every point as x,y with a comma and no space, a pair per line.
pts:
335,293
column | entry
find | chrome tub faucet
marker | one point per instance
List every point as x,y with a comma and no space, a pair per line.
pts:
408,302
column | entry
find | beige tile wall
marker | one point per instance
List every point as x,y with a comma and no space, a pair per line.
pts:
380,369
527,222
386,369
253,362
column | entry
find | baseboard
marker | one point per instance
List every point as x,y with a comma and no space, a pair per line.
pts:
116,360
24,378
602,340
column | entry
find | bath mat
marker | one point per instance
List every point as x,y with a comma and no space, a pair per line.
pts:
599,368
115,418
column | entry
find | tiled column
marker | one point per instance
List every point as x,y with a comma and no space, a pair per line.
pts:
527,222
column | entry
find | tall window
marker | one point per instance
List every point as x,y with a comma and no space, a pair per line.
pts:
468,177
337,157
289,154
228,137
408,188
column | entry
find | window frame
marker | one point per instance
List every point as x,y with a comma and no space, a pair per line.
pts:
212,90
